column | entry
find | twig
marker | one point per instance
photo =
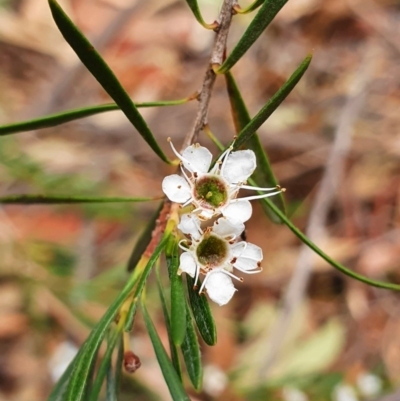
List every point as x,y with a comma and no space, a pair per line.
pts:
217,56
316,225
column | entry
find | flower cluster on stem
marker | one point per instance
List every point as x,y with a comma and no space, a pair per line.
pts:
212,229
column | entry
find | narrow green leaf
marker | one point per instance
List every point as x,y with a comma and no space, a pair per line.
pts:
61,118
178,300
105,366
249,130
58,391
104,75
172,347
114,374
171,378
253,6
191,353
260,22
194,6
202,313
345,270
76,390
263,175
62,199
144,240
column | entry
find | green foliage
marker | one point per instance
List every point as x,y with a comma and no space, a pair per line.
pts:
171,377
260,22
54,120
178,301
104,75
201,313
194,6
263,175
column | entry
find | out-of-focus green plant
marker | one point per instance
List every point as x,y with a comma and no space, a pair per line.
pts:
186,313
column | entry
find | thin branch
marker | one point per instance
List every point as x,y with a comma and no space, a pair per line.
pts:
317,221
217,56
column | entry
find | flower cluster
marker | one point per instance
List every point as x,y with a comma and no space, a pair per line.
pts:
213,227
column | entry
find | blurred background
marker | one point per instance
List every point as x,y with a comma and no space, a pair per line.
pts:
298,331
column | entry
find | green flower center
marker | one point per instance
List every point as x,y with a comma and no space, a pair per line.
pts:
212,190
212,251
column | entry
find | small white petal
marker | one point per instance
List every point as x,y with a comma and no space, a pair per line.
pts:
239,166
198,159
247,250
219,287
205,214
176,188
190,224
238,211
187,264
245,264
227,228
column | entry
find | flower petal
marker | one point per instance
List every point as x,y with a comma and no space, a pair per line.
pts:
206,214
176,188
247,250
238,211
245,264
187,264
190,224
227,228
198,159
239,166
219,287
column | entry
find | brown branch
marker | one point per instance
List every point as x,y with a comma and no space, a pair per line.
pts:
217,56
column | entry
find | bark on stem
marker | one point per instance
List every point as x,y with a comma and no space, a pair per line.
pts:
217,56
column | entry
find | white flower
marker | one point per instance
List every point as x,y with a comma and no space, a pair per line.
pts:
214,192
215,254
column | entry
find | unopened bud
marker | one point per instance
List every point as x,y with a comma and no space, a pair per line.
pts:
131,362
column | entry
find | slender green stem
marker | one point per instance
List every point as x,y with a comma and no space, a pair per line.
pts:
62,199
320,252
61,118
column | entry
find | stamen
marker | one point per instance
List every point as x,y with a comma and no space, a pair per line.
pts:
219,162
249,198
181,246
248,271
186,176
187,203
178,155
205,280
261,189
225,159
232,275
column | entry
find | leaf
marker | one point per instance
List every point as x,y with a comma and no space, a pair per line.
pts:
194,6
260,22
114,375
263,175
253,6
171,377
105,366
202,313
61,118
103,74
57,394
178,300
191,353
249,130
172,346
86,356
144,240
338,266
62,199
